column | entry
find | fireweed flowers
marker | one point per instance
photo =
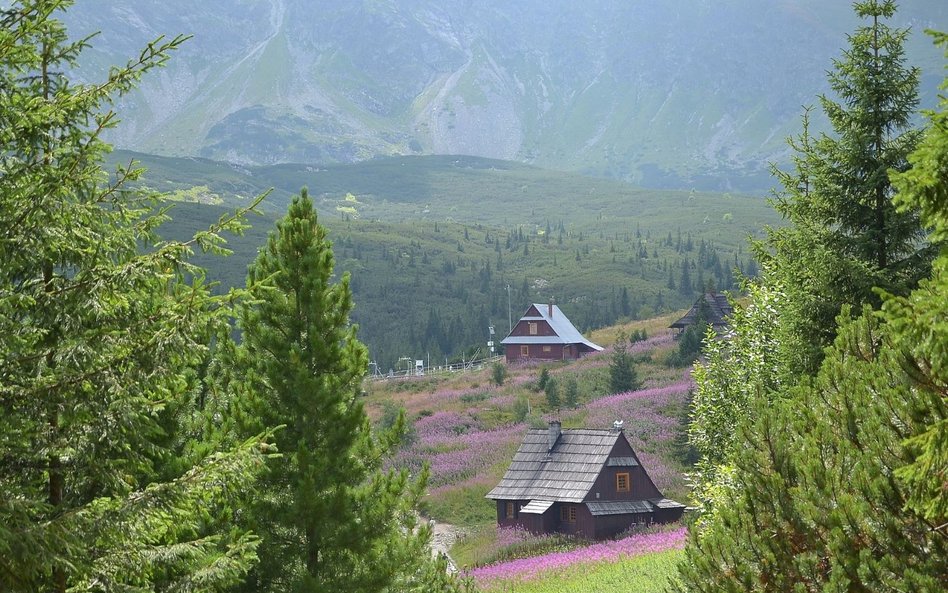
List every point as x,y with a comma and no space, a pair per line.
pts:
529,568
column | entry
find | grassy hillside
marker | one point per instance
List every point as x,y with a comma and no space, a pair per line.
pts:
467,430
432,243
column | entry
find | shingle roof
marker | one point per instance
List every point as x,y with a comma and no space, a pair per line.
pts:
619,507
564,475
536,507
719,309
666,503
566,333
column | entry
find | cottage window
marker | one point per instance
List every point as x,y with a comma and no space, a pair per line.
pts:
525,350
510,510
622,482
568,513
533,328
547,348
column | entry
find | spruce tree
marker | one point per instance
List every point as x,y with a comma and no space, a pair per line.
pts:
846,236
622,375
99,340
331,519
836,482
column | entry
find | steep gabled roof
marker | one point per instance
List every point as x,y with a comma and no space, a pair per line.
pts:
565,474
566,332
719,309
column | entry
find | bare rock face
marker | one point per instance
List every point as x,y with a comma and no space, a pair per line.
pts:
657,93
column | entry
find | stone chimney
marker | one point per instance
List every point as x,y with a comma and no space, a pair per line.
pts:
553,435
551,308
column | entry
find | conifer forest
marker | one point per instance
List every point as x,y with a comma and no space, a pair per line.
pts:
414,296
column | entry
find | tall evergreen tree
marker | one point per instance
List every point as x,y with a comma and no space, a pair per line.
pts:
836,482
846,237
330,518
98,339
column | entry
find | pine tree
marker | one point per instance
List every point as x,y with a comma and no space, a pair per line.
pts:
331,518
99,341
921,334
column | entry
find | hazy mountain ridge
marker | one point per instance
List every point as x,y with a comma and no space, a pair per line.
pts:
653,92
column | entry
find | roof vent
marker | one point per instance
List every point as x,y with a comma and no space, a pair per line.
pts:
553,435
617,425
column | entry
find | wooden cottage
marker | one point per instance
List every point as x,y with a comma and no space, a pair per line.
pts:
544,333
713,306
583,481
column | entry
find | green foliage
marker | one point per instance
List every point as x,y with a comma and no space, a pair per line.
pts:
743,368
919,328
689,342
543,378
462,506
416,293
103,347
394,417
638,335
521,408
622,375
834,481
571,392
552,390
846,236
331,518
498,373
815,468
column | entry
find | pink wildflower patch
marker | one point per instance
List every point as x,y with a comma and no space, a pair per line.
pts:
529,568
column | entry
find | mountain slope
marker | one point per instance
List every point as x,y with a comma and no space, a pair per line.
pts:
433,243
658,93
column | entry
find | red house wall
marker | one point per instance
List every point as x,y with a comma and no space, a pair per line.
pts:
557,351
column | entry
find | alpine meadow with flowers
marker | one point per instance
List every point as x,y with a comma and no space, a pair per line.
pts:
465,428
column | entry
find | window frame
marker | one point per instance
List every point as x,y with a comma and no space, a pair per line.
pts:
627,479
524,350
568,513
533,327
509,510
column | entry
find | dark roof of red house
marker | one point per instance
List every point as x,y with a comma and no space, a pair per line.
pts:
719,309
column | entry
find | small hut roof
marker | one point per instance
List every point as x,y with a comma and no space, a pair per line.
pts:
565,474
719,309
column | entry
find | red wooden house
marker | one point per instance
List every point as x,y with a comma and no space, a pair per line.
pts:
582,481
544,333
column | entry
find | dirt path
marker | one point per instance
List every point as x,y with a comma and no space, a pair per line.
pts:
443,537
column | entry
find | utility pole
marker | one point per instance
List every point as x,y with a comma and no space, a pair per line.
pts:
509,318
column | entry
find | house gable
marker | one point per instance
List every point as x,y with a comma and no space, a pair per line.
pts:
622,461
544,332
582,481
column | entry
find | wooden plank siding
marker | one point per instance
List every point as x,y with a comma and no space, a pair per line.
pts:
541,352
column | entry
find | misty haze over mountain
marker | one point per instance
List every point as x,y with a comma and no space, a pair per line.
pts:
661,93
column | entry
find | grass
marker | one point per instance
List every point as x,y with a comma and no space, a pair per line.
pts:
464,505
649,573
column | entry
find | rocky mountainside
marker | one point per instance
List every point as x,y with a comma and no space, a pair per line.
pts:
661,92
